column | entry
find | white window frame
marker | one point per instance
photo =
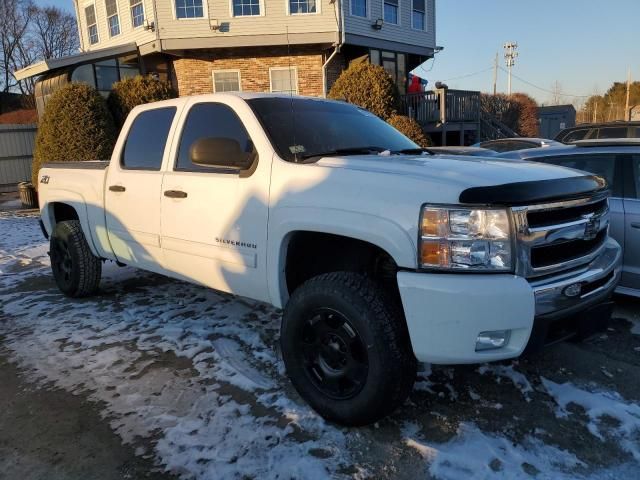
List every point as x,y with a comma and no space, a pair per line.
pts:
262,11
318,9
426,17
95,14
399,14
280,69
213,78
368,9
205,12
144,13
107,16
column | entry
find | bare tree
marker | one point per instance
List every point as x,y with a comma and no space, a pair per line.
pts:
15,19
54,33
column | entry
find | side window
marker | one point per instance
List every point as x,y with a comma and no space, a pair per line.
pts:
575,135
603,165
635,161
147,138
213,121
613,132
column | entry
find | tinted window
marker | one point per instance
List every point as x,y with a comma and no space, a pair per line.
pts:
613,132
575,135
603,165
147,138
302,127
211,120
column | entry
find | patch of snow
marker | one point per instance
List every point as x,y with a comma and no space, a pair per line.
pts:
598,405
474,455
519,379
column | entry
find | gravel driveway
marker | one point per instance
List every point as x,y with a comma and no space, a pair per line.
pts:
161,379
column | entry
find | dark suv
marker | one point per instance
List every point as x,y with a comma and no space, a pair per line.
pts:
618,161
590,131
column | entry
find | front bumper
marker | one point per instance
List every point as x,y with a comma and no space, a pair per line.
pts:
446,312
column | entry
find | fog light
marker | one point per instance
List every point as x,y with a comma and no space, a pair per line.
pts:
492,340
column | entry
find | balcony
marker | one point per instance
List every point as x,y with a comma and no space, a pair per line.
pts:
442,106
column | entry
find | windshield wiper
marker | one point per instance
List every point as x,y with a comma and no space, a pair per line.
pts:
413,151
345,151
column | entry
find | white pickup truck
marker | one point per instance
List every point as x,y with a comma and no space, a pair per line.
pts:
380,253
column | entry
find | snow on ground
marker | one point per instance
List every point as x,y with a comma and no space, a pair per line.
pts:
193,379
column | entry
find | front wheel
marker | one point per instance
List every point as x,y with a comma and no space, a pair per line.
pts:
346,350
75,269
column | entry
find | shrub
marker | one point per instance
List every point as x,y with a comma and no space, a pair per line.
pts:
133,91
519,112
368,86
410,128
76,126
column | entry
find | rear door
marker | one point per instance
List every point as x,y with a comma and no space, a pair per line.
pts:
132,191
631,271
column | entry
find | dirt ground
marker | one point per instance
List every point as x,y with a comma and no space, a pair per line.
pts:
87,386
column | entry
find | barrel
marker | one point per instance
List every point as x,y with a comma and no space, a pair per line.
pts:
28,195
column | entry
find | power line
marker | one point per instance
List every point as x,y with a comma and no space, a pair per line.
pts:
543,89
468,74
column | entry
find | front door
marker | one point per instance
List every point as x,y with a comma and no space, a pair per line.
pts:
214,218
132,191
631,269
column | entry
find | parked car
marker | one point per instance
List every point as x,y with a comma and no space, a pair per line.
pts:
380,254
515,143
471,151
618,161
590,131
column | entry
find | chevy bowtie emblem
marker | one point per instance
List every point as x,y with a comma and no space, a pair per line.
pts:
592,227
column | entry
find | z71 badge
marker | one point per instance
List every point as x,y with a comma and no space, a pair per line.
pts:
44,179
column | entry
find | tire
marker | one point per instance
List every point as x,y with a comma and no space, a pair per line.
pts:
346,350
75,269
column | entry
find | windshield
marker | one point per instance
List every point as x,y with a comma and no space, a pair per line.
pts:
300,128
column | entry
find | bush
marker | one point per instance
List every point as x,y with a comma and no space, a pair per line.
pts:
368,86
410,128
76,126
133,91
519,112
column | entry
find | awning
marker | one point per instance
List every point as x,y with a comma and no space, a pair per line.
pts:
84,57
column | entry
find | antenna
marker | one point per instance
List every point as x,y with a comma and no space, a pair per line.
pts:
293,115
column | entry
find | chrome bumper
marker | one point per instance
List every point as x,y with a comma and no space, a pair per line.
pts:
589,285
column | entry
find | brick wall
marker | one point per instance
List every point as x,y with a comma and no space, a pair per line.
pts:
193,72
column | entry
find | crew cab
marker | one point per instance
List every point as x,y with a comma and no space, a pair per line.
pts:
381,254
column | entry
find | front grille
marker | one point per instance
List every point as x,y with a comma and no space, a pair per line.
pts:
553,254
559,236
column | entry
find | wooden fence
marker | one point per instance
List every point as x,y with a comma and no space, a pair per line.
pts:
16,152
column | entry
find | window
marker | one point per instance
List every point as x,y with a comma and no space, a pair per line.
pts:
612,132
243,8
390,11
226,81
359,8
211,120
140,153
189,9
106,74
112,17
576,135
284,79
419,15
603,165
92,27
636,174
137,13
302,6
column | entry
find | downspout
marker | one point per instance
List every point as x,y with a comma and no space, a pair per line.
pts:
336,50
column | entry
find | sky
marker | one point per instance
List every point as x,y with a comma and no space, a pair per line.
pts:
584,45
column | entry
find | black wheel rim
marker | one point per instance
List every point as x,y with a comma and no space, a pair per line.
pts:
61,260
334,355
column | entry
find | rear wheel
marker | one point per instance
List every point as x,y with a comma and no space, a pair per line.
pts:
347,350
75,269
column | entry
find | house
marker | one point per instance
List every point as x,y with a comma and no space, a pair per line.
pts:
205,46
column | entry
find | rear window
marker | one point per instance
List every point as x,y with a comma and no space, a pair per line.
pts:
147,138
612,132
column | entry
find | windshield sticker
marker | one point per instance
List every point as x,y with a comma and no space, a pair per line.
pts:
297,149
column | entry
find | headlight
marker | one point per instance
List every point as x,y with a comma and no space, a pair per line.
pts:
465,239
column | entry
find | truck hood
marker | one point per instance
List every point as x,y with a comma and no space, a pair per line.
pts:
478,179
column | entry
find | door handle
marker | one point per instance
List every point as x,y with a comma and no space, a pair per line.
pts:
117,188
635,224
175,194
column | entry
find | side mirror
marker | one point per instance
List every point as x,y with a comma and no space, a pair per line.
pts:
219,152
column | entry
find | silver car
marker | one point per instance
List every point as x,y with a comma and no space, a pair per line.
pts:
618,161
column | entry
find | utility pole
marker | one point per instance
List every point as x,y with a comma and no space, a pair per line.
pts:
510,55
595,111
626,105
495,75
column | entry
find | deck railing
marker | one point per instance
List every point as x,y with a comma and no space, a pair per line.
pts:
442,105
